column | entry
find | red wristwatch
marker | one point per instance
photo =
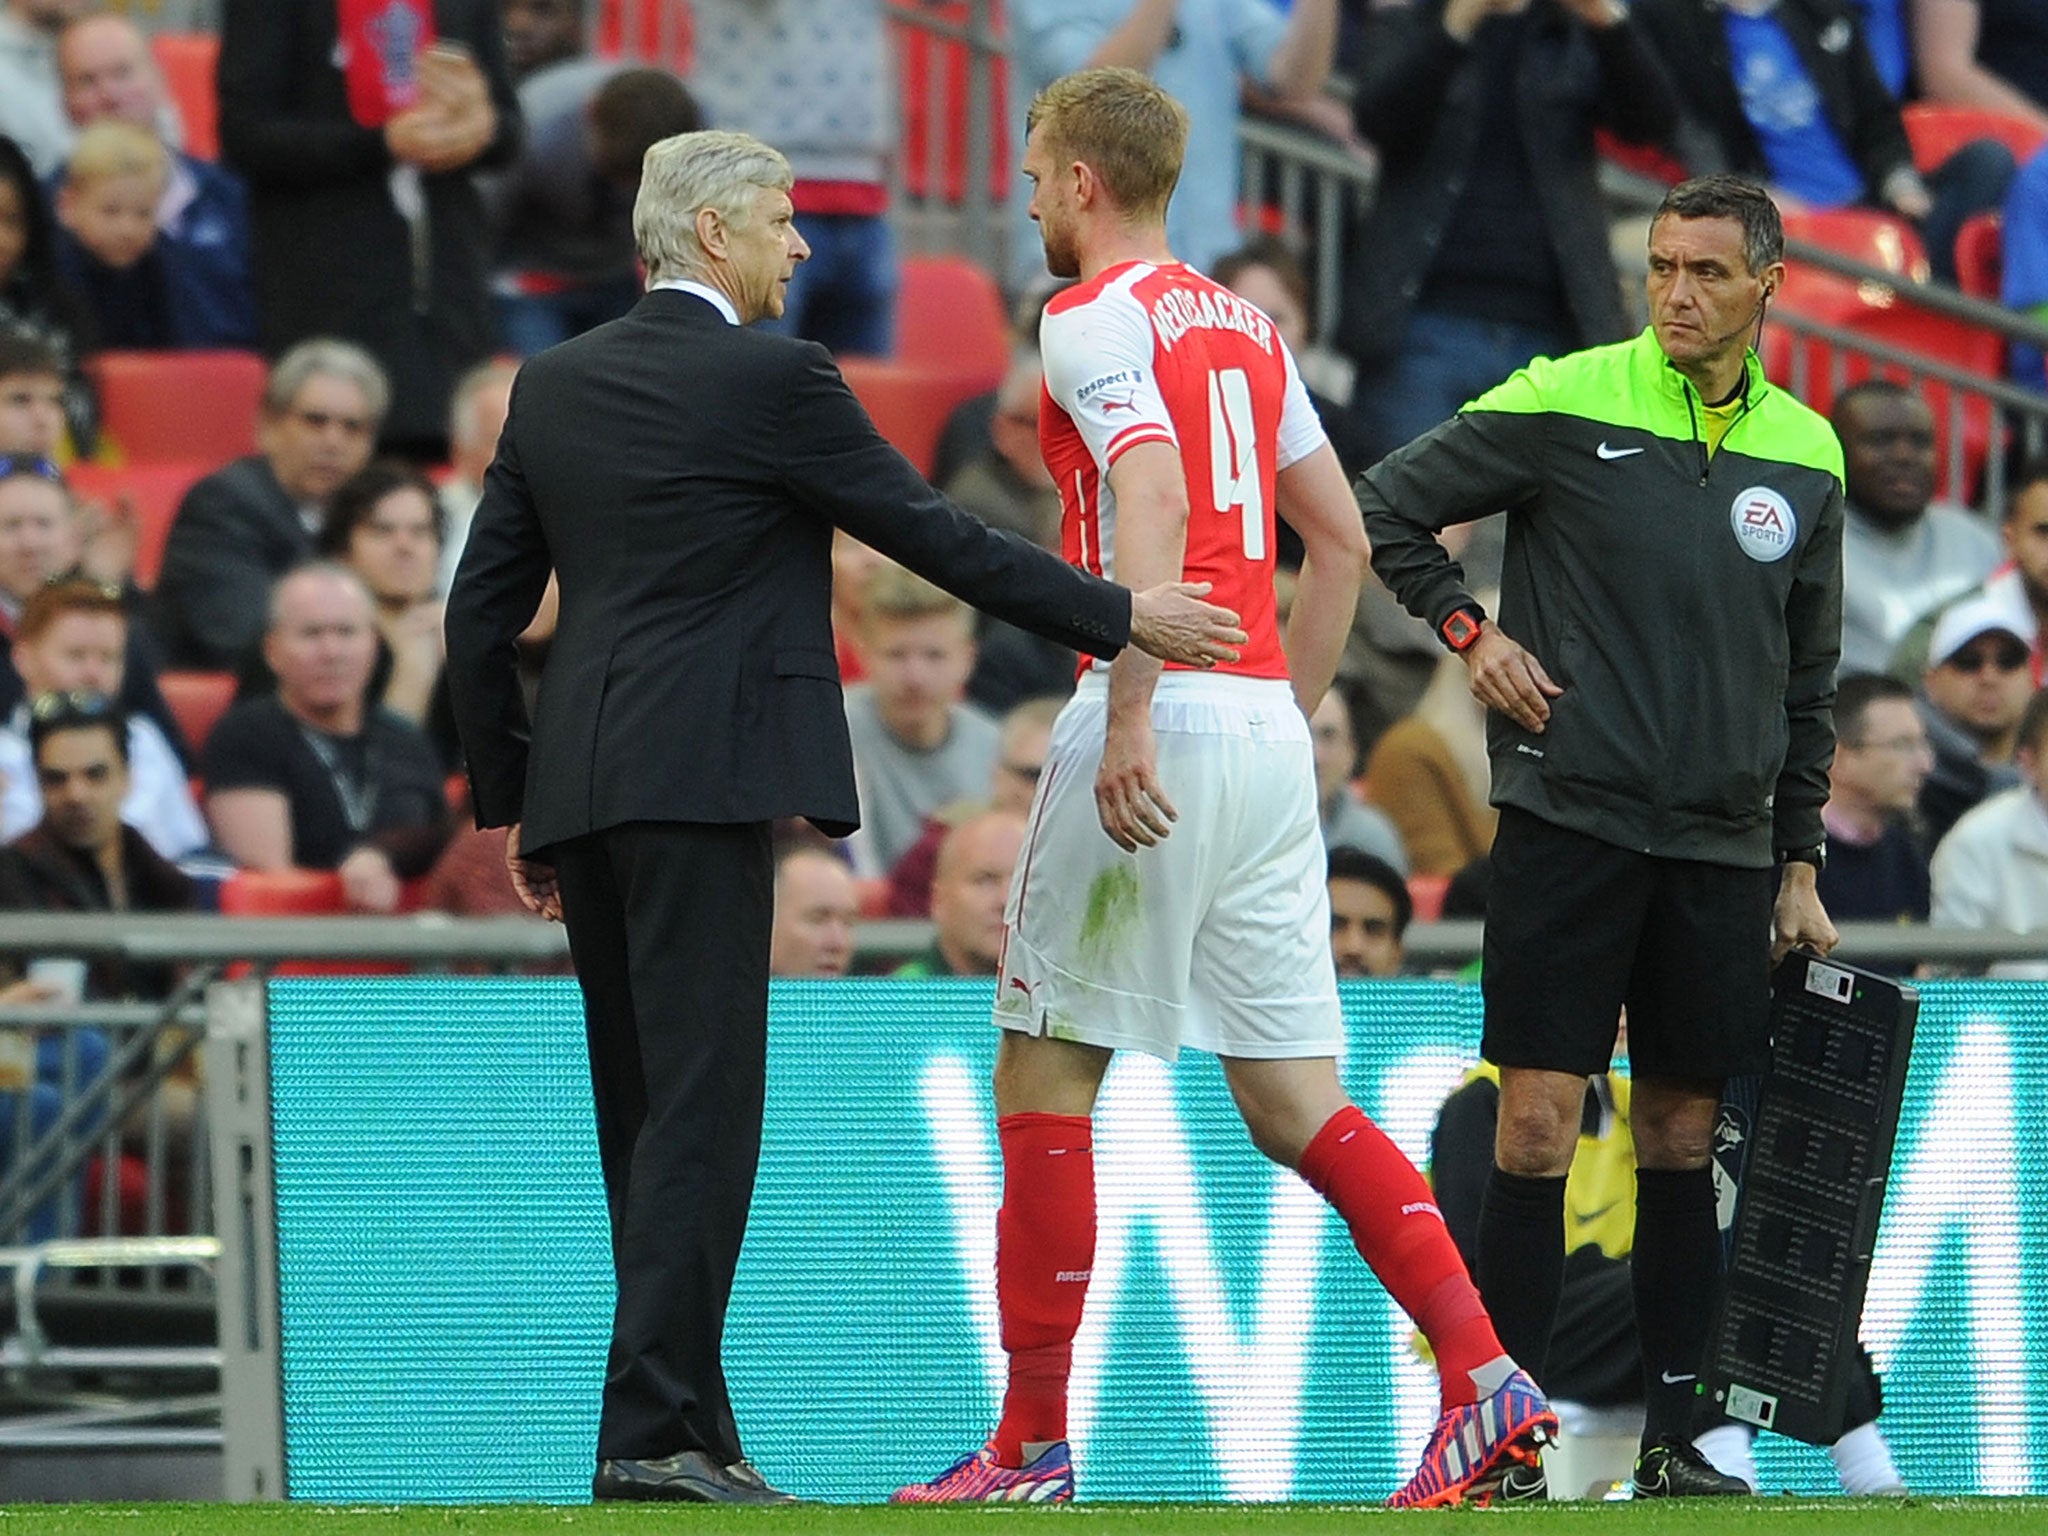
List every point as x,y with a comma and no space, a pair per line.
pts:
1460,629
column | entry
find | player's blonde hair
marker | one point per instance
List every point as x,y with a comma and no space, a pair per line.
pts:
1121,125
110,148
688,172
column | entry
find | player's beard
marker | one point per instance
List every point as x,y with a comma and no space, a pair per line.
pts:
1061,258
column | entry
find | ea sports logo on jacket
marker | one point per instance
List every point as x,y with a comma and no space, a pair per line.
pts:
1764,523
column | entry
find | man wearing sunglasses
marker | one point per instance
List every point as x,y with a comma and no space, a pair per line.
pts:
1976,684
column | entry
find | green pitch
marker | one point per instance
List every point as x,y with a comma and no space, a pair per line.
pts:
1748,1517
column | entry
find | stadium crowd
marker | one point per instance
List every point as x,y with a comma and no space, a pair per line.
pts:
395,218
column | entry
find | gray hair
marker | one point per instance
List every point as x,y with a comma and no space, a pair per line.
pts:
327,570
713,168
462,404
1725,196
325,356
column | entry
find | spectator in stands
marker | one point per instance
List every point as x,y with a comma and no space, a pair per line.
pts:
202,217
816,907
31,396
916,745
242,527
476,415
970,888
1991,870
1348,822
2023,268
1785,91
1266,272
1429,773
1974,689
366,219
2021,583
314,776
564,211
1903,556
31,100
386,525
107,197
1200,51
39,542
1984,53
1487,244
79,854
34,300
72,638
1020,759
853,566
813,77
1877,865
1370,910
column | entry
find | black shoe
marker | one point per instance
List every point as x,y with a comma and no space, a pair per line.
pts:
746,1474
1523,1480
1675,1469
688,1477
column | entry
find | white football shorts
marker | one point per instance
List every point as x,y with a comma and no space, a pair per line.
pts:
1219,937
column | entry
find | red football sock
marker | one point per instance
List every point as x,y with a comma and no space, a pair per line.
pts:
1395,1223
1045,1247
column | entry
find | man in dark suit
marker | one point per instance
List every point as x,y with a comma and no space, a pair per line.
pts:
682,476
245,525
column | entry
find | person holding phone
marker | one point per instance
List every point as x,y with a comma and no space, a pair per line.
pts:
356,124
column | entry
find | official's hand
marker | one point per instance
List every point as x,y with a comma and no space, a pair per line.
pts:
368,882
534,882
1172,622
1799,921
1130,802
1506,677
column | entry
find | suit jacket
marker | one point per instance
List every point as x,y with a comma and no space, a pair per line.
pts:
683,476
236,532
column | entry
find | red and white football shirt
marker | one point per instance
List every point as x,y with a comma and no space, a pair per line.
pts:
1143,354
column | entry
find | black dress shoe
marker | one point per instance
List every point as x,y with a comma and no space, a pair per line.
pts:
688,1477
747,1474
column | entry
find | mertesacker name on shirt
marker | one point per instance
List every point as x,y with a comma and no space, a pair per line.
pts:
1176,312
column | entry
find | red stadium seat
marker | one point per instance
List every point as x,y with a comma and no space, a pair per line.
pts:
910,401
1980,256
188,61
1937,130
197,700
923,55
950,312
282,893
1427,892
180,405
152,493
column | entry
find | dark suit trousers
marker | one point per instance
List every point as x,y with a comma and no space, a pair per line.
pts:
668,924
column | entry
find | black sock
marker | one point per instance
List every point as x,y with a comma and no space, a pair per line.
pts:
1519,1268
1677,1263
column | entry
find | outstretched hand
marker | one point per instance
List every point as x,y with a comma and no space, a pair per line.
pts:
1172,622
535,883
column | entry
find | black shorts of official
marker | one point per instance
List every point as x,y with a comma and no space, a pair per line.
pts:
1576,927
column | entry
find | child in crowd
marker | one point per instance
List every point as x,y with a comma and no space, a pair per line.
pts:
107,245
34,303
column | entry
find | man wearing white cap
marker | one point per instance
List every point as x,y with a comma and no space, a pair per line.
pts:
1976,683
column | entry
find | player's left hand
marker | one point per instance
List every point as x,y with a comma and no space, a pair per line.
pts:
1130,802
1799,921
535,883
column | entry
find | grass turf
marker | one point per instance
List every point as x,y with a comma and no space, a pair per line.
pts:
1704,1517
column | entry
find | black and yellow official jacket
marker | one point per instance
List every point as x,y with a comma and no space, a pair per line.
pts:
1688,601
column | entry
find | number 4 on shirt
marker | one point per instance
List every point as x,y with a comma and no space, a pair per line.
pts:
1234,456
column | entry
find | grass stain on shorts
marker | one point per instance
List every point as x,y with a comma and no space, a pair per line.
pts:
1112,911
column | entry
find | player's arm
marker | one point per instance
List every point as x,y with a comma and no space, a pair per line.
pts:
1315,499
1151,546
